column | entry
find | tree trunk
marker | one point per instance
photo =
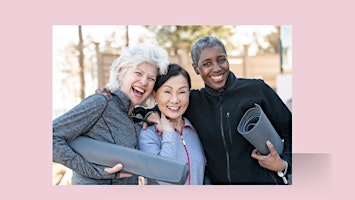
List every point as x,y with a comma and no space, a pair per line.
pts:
127,36
81,63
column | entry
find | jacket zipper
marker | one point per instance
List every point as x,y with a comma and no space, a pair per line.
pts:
224,141
187,153
229,129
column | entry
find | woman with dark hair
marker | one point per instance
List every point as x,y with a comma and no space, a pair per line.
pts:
179,139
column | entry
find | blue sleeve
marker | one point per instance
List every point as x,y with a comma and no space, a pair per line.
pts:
165,145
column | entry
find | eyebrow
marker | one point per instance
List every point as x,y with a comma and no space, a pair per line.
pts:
184,86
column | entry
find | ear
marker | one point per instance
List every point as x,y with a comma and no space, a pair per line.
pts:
196,69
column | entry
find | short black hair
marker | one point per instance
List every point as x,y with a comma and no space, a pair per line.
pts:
173,70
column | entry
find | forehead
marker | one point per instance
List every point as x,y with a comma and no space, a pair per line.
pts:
176,81
211,52
147,68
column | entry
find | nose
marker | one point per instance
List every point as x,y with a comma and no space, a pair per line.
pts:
216,66
174,98
144,80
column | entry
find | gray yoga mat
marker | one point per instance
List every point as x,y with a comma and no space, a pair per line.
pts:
257,129
134,161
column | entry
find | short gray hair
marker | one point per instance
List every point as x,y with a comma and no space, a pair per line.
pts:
204,42
132,57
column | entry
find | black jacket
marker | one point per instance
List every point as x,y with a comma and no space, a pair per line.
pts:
216,114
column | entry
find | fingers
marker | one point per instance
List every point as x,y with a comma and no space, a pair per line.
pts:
256,154
103,91
145,125
114,169
154,117
125,175
271,148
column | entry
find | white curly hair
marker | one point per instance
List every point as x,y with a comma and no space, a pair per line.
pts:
133,56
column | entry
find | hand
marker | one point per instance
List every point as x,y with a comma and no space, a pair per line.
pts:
117,168
152,117
104,91
164,125
272,161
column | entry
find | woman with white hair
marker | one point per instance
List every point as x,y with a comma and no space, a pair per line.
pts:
132,79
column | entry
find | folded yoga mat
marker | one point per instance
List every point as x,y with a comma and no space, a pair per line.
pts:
134,161
257,129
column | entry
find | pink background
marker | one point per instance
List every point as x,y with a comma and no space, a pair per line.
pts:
322,102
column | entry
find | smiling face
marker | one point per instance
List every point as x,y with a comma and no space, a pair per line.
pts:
173,97
213,67
138,82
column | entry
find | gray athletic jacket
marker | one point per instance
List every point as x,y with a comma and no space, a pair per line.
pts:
97,117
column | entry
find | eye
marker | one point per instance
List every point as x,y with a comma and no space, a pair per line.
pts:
206,64
166,91
221,60
138,73
152,79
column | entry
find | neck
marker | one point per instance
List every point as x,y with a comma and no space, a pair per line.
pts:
130,109
178,123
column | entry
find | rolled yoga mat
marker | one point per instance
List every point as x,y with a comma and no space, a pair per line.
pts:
257,129
134,161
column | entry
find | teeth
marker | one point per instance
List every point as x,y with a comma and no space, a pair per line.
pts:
217,77
138,90
173,108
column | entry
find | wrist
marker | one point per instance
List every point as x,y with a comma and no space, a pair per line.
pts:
283,172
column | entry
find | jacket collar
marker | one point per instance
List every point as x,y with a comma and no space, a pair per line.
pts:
187,123
124,101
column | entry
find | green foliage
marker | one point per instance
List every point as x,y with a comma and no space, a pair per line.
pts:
180,38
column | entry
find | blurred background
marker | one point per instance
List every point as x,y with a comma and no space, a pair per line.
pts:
83,54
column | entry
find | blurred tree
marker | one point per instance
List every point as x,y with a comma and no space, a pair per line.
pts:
273,40
127,35
180,38
80,48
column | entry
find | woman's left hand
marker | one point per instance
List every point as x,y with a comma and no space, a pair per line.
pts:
117,168
272,161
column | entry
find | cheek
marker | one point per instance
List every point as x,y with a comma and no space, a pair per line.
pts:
185,100
225,66
204,71
151,85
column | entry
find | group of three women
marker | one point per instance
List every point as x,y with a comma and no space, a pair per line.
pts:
196,126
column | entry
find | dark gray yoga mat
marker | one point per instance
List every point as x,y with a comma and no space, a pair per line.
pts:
134,161
257,129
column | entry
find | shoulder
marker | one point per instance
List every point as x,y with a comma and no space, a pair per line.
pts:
149,132
96,101
99,98
258,84
195,93
251,81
